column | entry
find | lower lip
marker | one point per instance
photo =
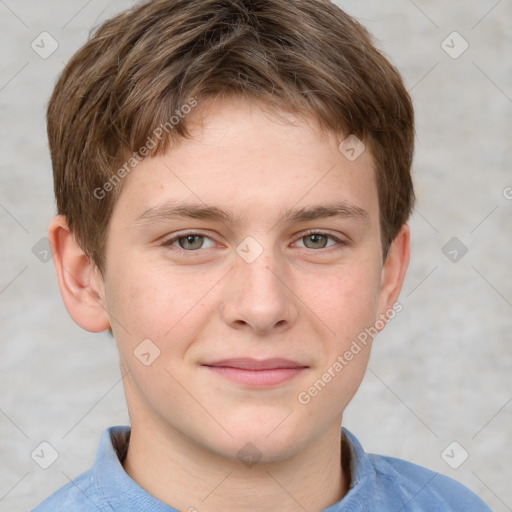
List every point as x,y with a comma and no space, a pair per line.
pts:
257,378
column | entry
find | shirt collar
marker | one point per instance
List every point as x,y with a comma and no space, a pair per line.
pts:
117,488
362,477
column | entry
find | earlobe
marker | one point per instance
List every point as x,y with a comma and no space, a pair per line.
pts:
393,270
79,279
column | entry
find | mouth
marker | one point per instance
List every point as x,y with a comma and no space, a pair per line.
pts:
257,373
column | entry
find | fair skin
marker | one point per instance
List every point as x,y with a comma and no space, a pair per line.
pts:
318,282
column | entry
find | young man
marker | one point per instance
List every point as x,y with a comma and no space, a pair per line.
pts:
233,187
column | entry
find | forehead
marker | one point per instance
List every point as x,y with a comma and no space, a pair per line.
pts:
241,155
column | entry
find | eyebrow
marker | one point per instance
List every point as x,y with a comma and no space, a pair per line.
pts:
341,209
170,211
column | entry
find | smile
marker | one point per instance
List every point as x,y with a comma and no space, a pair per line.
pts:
257,373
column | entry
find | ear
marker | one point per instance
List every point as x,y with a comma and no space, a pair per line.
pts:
393,270
80,281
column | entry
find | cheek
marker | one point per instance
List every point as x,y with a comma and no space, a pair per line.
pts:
347,307
347,301
152,302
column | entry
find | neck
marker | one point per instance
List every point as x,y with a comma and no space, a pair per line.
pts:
187,477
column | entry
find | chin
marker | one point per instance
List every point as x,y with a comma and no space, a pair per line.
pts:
270,439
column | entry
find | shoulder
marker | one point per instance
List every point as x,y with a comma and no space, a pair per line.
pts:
422,489
79,495
390,484
94,489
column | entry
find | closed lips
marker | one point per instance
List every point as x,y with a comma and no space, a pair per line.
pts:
256,365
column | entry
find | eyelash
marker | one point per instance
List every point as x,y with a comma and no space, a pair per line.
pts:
170,241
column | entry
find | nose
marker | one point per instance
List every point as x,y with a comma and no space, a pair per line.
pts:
259,296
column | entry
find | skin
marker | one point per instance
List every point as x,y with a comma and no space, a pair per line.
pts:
296,300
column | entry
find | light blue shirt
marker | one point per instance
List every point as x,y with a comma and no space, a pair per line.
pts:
378,484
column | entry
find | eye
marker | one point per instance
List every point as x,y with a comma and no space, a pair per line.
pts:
314,240
190,241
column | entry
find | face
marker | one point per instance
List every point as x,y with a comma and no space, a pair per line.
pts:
240,266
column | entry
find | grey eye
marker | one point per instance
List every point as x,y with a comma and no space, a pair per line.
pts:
191,242
316,241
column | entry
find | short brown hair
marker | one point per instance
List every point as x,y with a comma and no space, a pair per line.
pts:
138,69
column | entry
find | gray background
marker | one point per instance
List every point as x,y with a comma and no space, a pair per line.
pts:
442,369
